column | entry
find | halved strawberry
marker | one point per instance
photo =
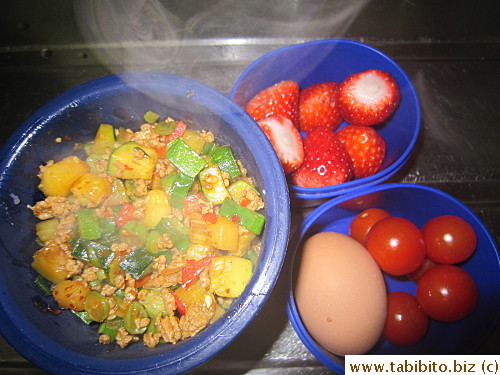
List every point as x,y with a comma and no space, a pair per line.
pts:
368,98
281,99
318,107
326,161
286,141
366,148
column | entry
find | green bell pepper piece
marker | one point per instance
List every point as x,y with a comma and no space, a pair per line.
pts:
251,220
167,182
180,190
177,231
151,117
165,128
110,328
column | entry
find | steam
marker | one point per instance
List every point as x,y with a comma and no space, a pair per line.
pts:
277,19
127,33
161,35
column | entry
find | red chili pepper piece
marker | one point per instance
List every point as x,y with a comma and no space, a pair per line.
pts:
210,217
245,202
193,269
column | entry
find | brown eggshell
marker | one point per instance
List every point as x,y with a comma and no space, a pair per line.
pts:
340,294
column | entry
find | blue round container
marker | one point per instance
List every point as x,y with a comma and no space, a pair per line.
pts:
63,344
334,60
418,204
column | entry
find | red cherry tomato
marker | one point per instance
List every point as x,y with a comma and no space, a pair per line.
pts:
362,223
447,293
397,245
406,323
449,239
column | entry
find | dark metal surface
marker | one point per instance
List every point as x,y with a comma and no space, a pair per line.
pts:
450,50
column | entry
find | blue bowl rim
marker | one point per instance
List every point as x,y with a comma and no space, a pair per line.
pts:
291,307
58,360
362,183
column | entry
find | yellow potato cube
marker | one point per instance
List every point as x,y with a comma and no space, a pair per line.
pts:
50,262
156,206
229,275
71,294
57,179
244,243
192,295
224,234
194,140
92,188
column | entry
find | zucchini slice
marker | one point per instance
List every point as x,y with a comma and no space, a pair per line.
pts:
131,161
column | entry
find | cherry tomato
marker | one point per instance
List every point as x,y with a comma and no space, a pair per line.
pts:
426,265
406,323
447,293
397,245
449,239
362,223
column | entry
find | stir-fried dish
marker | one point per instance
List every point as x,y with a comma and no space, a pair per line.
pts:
151,235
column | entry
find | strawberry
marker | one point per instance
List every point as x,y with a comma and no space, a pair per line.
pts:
318,107
281,99
368,98
326,161
286,140
366,148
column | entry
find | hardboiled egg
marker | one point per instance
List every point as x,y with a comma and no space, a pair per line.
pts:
340,294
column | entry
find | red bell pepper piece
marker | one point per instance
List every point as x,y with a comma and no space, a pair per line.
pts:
142,281
193,203
178,131
125,215
161,151
181,308
108,213
193,269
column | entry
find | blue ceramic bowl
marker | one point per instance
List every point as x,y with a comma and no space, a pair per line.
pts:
62,344
334,60
418,204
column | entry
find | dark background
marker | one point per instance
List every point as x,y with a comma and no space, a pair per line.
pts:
449,49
